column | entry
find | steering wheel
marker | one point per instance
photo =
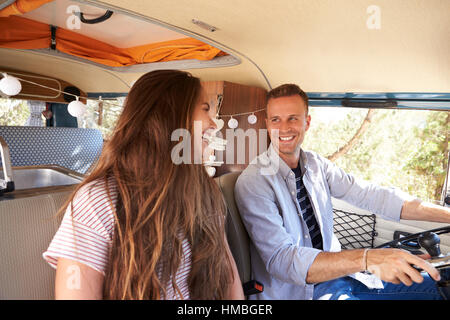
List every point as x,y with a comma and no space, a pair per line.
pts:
428,240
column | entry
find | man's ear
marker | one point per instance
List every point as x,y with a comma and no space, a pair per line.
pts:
308,122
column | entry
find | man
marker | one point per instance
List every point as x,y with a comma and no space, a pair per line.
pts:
284,197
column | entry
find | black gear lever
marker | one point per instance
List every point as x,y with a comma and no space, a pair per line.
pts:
430,242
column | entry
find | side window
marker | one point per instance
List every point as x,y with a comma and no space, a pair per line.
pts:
407,149
104,118
14,112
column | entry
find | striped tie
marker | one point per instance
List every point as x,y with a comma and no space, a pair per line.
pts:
307,211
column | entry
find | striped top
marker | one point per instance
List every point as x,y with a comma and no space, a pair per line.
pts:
86,234
307,211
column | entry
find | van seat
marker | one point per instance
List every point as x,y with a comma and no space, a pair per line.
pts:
27,226
237,236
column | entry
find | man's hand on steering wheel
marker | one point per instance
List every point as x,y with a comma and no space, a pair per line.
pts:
396,266
401,266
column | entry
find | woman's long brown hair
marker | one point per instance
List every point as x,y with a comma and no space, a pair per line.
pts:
159,203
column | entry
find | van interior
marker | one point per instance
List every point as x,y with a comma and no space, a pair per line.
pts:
377,74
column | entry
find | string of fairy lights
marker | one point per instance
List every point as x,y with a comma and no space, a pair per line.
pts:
11,86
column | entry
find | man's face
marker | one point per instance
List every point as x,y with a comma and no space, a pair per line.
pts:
288,115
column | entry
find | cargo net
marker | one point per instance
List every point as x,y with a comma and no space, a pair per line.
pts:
354,230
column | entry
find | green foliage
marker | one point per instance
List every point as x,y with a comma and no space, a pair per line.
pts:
401,148
430,158
111,112
13,112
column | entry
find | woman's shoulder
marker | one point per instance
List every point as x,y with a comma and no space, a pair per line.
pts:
93,204
98,186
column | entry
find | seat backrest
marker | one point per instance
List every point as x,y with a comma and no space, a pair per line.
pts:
76,149
237,236
27,226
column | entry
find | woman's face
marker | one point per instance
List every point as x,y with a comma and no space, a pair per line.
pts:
203,125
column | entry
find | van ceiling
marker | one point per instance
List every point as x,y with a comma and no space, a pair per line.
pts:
122,31
322,45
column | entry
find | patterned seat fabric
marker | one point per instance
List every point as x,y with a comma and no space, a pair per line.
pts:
72,148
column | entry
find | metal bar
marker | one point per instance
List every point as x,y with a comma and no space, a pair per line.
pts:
6,160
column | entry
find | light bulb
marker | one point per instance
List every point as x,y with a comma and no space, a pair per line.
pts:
233,123
10,85
252,119
76,108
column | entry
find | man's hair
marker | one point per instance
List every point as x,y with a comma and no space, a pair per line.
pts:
287,90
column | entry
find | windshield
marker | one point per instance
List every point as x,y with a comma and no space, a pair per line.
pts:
402,148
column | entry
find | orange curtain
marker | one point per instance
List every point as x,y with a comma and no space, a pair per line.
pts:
180,49
20,33
22,6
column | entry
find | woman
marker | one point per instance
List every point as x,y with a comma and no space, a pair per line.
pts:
139,226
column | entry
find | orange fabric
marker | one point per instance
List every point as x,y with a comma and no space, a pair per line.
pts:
91,49
20,33
22,6
188,48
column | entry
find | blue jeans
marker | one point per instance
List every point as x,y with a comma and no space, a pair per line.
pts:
347,288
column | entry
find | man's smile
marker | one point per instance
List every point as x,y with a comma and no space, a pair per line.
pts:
287,138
